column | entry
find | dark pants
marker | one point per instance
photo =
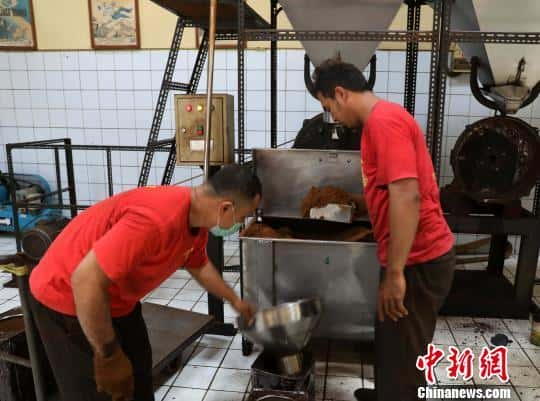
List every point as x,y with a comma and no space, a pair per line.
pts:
70,354
398,344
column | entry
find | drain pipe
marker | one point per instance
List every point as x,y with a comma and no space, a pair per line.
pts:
209,87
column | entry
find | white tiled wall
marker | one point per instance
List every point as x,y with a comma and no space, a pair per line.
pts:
109,98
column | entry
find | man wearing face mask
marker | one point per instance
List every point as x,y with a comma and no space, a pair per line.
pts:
86,290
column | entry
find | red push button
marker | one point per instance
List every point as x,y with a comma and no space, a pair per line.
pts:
189,108
200,130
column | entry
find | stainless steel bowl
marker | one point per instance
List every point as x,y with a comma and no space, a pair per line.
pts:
284,329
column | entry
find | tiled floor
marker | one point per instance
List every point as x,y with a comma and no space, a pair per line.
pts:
216,370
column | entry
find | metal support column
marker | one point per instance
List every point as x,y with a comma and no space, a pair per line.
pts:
437,88
413,24
241,77
273,76
162,102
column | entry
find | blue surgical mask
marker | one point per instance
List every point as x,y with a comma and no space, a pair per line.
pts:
219,231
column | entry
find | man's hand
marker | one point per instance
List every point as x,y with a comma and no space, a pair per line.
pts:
245,309
391,295
114,375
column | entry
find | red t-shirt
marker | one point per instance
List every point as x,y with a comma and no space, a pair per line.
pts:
140,237
393,148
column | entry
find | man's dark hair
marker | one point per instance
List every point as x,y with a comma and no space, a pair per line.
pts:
334,72
238,182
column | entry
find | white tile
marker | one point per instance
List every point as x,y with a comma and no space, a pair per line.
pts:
141,60
295,60
396,82
342,388
215,341
40,117
213,395
106,80
4,60
523,340
7,118
189,295
91,118
205,356
518,357
87,60
184,394
256,80
443,337
109,118
534,355
524,376
19,79
34,61
37,80
235,360
396,60
256,60
105,61
130,176
23,117
201,307
21,98
518,325
55,99
73,99
193,285
142,80
195,377
124,80
159,394
143,119
74,118
126,118
157,301
70,60
107,100
381,82
459,105
231,380
72,80
6,99
89,80
143,100
52,61
125,99
158,59
123,60
185,305
5,80
54,80
174,283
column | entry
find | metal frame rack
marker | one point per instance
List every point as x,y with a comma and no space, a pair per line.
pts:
518,298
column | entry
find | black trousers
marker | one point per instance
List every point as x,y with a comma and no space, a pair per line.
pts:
70,354
398,344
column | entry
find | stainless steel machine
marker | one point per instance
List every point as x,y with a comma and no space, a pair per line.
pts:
343,275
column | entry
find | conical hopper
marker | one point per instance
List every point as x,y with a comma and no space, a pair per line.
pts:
284,329
343,15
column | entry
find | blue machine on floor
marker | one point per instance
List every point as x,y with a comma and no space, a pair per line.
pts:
28,187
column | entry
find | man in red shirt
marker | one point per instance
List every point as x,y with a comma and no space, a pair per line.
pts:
415,244
86,289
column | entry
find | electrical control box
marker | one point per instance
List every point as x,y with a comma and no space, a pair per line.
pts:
190,125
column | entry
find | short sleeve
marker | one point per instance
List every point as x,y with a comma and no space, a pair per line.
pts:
126,244
199,257
395,151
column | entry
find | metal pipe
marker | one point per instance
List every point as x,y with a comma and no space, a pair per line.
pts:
209,86
15,359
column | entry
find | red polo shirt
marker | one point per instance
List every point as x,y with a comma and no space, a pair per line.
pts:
393,148
140,237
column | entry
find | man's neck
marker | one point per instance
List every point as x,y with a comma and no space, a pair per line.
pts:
196,218
366,105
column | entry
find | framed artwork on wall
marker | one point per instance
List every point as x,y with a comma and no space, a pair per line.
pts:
17,28
114,24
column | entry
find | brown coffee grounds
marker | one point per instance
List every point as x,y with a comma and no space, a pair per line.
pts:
260,230
320,197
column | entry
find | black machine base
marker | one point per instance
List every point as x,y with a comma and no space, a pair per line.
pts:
483,294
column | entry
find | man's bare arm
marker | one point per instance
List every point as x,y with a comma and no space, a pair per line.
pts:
90,290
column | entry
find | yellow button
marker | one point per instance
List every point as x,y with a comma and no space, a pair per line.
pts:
199,107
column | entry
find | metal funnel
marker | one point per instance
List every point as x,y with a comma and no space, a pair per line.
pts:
284,329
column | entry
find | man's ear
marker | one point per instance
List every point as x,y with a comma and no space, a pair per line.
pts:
340,94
